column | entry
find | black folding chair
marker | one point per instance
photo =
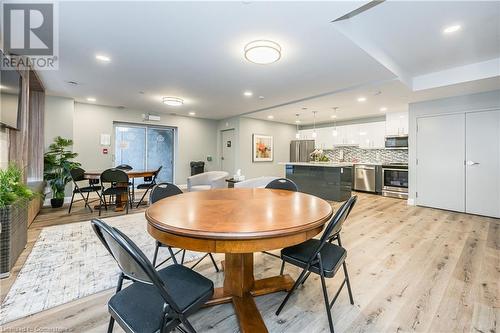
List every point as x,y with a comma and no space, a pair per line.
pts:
118,181
162,191
156,301
125,167
77,175
283,184
149,183
321,257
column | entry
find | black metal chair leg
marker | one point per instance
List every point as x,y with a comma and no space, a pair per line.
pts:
172,255
100,204
213,262
291,291
305,278
155,256
325,295
351,299
111,324
71,203
282,269
142,198
183,256
187,325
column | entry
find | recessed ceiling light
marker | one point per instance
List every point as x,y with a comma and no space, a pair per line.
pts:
297,121
172,101
383,109
91,99
261,97
248,93
452,28
361,99
262,52
270,117
103,58
3,87
192,113
333,116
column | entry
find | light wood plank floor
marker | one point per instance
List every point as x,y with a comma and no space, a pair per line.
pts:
412,269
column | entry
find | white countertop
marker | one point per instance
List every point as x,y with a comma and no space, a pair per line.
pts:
320,164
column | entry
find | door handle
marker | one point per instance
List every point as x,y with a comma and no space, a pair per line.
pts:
471,163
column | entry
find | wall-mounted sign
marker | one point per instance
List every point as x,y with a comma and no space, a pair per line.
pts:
105,151
105,140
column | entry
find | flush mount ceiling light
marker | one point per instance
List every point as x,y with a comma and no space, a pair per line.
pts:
270,117
172,101
192,113
452,29
361,99
103,58
262,52
248,93
383,109
3,87
91,99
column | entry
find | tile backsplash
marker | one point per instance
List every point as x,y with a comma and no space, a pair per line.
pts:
356,154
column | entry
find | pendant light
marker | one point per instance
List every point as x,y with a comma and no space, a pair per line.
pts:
335,132
314,135
297,121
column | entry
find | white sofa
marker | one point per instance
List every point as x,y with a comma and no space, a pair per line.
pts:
207,181
259,182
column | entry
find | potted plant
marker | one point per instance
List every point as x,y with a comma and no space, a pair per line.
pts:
14,196
57,163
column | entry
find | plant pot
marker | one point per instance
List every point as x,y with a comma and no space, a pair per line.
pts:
56,203
13,237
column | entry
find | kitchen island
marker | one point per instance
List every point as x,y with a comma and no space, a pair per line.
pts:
329,181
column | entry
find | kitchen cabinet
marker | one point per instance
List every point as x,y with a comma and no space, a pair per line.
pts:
371,135
367,136
396,123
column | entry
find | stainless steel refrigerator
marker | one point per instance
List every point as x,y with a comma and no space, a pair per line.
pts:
300,150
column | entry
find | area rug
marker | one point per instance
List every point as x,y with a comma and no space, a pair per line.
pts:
69,262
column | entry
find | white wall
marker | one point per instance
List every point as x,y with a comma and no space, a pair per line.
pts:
4,147
458,104
196,138
244,129
59,113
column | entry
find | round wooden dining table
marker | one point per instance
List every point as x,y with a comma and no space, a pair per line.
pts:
239,222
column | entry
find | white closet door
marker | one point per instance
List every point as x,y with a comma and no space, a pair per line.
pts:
440,162
483,163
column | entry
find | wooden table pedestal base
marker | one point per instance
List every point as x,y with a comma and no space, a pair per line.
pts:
240,287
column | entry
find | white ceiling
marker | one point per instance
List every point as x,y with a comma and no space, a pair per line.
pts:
410,32
393,95
194,50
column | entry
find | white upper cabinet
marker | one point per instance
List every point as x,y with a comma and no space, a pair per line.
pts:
367,136
371,135
396,123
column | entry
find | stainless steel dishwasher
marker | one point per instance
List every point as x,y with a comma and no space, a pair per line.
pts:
364,178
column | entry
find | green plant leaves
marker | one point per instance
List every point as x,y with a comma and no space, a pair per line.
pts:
57,163
12,186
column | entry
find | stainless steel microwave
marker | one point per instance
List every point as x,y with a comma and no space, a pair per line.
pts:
396,142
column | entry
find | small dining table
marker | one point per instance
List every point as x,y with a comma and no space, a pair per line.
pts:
239,222
134,173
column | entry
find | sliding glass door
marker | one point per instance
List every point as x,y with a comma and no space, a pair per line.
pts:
145,147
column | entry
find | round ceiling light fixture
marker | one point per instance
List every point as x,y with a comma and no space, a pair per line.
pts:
262,52
172,101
